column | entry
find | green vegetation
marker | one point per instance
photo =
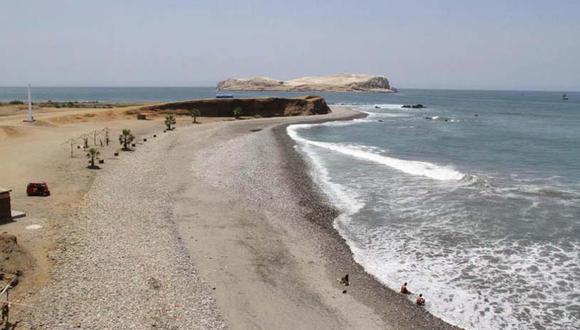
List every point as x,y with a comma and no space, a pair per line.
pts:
92,154
195,113
15,102
237,112
126,138
170,122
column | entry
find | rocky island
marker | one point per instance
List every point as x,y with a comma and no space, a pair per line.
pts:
331,83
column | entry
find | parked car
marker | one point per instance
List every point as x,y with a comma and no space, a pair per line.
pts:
37,189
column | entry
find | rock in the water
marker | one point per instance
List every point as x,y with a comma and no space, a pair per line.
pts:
413,106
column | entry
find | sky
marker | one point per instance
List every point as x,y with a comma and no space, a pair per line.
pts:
467,44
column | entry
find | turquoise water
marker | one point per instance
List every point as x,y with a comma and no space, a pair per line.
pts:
475,200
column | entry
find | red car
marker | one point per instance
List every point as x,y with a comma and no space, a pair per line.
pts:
37,189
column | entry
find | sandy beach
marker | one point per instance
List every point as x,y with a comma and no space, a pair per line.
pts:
210,226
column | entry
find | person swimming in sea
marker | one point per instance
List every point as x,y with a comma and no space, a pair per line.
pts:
420,300
404,289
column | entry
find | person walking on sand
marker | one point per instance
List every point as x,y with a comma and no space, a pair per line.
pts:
404,289
420,300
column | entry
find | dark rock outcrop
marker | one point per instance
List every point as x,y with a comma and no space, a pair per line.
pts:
413,106
263,107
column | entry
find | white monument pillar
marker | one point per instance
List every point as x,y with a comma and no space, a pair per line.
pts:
29,117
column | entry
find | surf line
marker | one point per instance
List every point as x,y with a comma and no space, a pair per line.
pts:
412,167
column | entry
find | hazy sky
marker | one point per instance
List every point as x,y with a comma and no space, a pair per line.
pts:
503,44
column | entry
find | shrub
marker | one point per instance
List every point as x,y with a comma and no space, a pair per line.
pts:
195,113
170,122
237,112
126,138
93,153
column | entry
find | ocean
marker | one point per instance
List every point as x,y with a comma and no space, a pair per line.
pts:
473,200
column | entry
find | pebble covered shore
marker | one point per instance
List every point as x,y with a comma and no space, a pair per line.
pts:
125,261
122,265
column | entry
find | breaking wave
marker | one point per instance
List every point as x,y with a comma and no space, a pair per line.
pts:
411,167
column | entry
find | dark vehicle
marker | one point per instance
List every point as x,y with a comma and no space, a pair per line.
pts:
37,189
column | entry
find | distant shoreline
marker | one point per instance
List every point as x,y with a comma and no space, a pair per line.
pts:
132,95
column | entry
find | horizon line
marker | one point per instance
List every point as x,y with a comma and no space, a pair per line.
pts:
214,87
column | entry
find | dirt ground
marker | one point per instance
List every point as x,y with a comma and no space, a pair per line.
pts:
50,150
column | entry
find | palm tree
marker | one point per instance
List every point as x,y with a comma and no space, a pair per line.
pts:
126,138
169,122
195,113
237,112
93,153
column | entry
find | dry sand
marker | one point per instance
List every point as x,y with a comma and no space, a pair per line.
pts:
209,226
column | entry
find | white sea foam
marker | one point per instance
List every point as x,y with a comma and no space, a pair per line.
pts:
386,106
511,272
412,167
346,202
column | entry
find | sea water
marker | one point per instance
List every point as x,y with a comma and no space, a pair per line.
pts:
474,200
106,94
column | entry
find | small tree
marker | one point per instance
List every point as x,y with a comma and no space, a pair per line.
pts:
126,138
237,112
92,154
170,122
195,113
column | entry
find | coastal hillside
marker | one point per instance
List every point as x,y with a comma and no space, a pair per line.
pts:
331,83
264,107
